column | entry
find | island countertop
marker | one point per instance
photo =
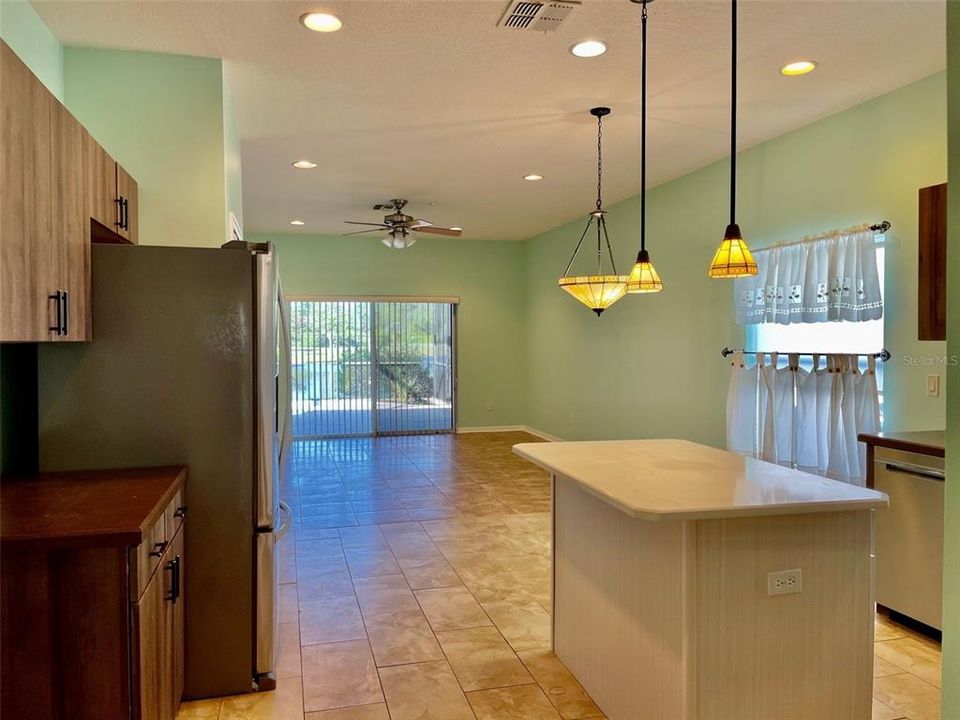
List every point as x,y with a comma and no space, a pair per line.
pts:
682,480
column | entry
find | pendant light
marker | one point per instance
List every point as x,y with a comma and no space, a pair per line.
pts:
733,258
643,278
600,291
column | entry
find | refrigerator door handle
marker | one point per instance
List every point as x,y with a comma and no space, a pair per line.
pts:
288,520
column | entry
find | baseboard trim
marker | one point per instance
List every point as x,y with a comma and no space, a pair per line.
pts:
509,428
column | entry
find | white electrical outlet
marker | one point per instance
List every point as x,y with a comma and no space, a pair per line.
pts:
784,582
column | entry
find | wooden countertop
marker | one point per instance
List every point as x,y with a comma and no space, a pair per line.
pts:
84,508
924,442
681,480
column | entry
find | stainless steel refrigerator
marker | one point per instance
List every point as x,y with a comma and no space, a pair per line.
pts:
185,367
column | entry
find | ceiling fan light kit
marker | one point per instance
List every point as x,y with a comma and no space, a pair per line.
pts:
601,290
401,227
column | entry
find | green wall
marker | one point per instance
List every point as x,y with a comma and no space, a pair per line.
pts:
951,540
24,31
162,118
486,276
650,366
232,166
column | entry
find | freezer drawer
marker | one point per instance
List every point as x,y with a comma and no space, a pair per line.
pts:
909,545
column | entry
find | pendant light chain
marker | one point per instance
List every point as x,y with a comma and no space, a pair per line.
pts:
733,116
643,130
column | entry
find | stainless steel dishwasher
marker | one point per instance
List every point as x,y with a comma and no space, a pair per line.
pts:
909,534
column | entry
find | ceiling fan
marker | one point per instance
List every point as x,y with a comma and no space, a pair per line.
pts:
401,227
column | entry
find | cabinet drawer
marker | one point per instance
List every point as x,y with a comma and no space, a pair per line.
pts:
148,556
174,514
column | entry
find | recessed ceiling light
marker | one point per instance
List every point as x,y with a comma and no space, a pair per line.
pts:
588,48
801,67
304,164
321,22
533,177
296,222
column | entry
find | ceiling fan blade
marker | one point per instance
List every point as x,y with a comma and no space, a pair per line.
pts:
419,223
354,222
449,232
361,232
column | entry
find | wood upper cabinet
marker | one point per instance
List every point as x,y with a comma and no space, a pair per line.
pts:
932,280
127,205
54,181
26,252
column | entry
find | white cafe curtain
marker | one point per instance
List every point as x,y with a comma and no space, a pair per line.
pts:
805,420
824,279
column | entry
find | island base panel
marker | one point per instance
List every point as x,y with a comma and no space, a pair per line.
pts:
671,620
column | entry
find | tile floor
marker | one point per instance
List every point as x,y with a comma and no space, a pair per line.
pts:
415,586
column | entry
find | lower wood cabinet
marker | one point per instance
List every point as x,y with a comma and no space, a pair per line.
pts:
92,622
157,631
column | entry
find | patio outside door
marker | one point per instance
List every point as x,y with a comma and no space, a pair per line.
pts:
372,367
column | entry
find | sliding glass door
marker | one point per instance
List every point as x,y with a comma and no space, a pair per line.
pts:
372,367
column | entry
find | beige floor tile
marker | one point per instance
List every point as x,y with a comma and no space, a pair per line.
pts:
482,659
884,712
288,603
200,709
424,574
920,657
333,619
288,654
401,637
384,594
524,702
882,668
886,629
316,585
906,693
524,623
284,703
424,691
338,675
361,712
559,684
364,563
452,608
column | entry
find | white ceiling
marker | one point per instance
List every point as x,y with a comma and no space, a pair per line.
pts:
431,101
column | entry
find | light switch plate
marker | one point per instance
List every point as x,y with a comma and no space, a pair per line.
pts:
784,582
933,385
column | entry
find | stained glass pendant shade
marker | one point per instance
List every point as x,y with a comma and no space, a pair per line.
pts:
643,278
733,258
600,290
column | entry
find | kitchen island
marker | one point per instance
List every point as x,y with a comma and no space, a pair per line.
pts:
693,583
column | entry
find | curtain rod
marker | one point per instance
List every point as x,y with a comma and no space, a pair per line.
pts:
878,228
883,355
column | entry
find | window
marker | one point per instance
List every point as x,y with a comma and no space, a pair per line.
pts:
826,338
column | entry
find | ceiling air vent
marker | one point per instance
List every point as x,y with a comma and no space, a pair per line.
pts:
541,16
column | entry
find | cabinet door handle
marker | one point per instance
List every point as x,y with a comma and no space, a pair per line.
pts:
58,327
158,549
64,295
126,213
174,567
119,220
